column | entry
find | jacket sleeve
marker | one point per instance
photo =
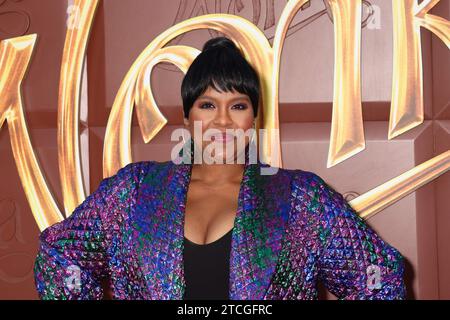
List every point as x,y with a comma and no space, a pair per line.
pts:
355,263
72,255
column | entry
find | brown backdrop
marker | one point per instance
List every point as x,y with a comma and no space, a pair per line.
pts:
418,225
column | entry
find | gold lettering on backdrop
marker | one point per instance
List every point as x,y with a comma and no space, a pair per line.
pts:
347,133
381,197
346,137
407,88
81,15
15,55
135,89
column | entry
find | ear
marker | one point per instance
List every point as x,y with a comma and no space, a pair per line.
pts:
186,122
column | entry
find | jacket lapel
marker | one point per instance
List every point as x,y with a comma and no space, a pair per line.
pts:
158,228
263,210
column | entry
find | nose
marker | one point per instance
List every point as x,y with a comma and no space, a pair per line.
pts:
222,118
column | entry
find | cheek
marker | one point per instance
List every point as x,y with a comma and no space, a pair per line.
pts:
244,122
198,119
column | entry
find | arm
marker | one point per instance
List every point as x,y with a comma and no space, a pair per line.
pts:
355,263
72,256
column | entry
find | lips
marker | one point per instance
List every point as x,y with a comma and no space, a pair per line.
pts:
224,137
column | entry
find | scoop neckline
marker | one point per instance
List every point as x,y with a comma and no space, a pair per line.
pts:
208,244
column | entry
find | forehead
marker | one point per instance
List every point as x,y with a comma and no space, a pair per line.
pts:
213,94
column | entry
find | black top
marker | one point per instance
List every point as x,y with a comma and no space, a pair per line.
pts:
206,269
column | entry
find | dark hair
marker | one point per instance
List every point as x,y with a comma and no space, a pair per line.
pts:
222,66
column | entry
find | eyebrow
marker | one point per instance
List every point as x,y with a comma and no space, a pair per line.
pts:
243,97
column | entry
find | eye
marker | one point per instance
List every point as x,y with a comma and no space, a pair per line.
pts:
240,106
206,105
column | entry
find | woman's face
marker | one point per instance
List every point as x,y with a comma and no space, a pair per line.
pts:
221,111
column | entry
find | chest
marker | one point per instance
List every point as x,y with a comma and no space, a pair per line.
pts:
210,212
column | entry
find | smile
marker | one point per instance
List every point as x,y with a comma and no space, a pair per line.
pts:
224,137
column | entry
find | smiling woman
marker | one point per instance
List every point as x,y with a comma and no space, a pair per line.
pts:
162,230
221,93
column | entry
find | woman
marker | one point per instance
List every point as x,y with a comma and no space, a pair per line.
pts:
162,230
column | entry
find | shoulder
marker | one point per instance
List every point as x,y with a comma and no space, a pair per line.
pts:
307,188
314,194
134,172
300,179
120,192
320,201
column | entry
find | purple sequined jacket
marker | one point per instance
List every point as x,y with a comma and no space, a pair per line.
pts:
291,231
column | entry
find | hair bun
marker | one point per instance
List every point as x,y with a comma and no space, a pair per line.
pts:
220,43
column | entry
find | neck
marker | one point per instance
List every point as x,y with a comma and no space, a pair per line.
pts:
217,173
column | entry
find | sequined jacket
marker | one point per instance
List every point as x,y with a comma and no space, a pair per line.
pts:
291,231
